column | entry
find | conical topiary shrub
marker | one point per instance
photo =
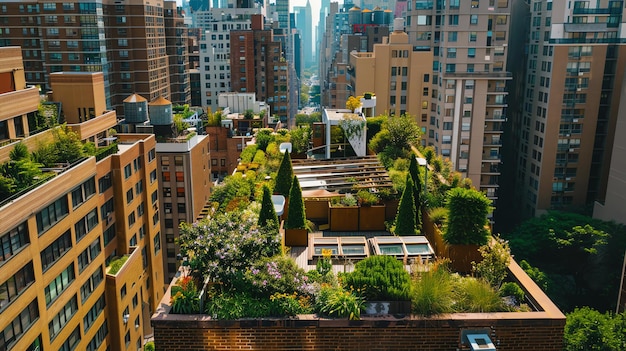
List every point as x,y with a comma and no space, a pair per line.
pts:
284,176
267,208
417,192
405,219
296,216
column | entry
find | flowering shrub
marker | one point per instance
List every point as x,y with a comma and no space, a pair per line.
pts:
227,243
278,274
185,298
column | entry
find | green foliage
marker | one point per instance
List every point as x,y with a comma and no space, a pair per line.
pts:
263,138
536,275
235,305
296,218
149,346
549,242
247,155
380,278
367,198
214,119
179,124
248,114
587,329
47,115
300,138
337,302
308,119
512,289
67,145
353,103
476,295
226,244
117,264
429,154
284,178
432,291
396,137
417,183
234,187
496,257
405,218
278,274
19,152
89,148
186,300
267,208
439,216
467,217
259,157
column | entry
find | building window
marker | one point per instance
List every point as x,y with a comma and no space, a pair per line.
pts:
453,20
60,320
129,196
91,284
127,171
55,250
473,19
105,182
52,214
157,243
452,36
16,284
93,313
19,326
58,285
13,241
72,341
471,52
86,224
106,210
89,254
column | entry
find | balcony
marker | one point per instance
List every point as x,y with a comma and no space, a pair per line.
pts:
19,102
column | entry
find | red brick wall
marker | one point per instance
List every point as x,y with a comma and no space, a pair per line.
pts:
178,332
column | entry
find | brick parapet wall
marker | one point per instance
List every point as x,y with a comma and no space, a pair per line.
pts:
198,332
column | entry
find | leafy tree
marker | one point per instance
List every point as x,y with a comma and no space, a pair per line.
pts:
223,246
405,219
263,138
396,137
587,329
467,217
300,138
353,103
549,242
67,145
496,258
179,124
296,217
284,177
248,114
267,208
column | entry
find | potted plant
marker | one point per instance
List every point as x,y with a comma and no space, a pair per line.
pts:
383,282
466,228
371,212
344,214
296,233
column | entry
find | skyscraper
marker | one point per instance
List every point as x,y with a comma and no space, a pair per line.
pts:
467,110
125,41
304,23
564,123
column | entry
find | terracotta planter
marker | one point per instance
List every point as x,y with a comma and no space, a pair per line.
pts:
462,256
296,237
316,210
372,218
344,218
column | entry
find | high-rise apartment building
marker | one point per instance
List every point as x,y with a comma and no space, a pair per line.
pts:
126,41
567,112
258,65
304,23
176,44
215,30
396,73
60,236
467,110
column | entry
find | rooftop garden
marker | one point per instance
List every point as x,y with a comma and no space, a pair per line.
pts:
25,169
239,249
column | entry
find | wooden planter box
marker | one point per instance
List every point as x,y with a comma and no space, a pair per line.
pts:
344,218
372,218
462,256
296,237
391,209
316,210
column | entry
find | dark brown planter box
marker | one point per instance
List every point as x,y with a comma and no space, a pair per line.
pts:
344,218
296,237
316,210
391,209
372,218
462,256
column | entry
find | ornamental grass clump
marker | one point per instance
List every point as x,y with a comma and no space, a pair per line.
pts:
379,278
432,291
334,301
